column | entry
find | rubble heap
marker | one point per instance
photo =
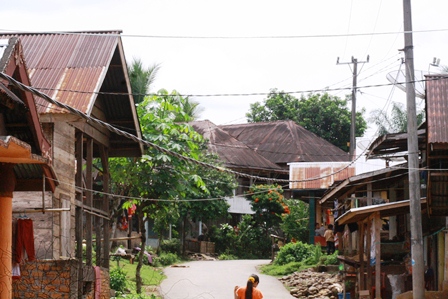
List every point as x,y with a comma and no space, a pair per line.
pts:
312,284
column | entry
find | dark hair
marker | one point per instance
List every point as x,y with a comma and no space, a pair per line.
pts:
330,226
250,285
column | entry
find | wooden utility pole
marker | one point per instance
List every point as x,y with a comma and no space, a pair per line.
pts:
413,164
353,120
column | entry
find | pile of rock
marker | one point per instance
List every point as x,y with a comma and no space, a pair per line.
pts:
312,284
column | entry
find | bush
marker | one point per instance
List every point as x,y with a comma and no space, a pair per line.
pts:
171,246
118,279
166,259
294,252
225,256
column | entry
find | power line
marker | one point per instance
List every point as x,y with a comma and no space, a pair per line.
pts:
6,31
112,129
236,94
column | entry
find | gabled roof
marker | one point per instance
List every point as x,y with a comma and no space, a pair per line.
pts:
22,142
87,71
232,152
380,179
283,142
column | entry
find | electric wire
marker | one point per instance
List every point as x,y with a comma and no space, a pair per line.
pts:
112,129
6,31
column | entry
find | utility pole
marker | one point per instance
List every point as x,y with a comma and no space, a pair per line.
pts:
353,120
413,164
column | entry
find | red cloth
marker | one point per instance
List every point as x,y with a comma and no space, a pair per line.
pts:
25,240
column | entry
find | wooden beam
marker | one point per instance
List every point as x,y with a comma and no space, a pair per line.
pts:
89,198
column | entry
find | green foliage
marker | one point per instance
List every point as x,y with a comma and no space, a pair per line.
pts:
118,279
280,270
294,252
396,122
326,116
171,246
227,257
268,204
295,224
331,259
166,259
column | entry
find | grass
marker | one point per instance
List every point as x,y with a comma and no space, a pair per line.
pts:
151,276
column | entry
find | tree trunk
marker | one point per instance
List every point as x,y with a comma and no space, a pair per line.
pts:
138,277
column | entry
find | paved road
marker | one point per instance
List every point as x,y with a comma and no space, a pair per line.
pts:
216,280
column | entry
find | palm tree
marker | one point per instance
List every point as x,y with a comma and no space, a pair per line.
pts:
141,79
396,122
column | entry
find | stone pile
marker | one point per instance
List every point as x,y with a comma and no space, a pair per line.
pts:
312,284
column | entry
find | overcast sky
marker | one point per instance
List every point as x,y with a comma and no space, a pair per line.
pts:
249,47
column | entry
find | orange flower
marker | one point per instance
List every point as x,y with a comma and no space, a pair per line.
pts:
256,199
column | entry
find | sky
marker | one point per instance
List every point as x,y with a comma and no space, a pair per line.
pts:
229,54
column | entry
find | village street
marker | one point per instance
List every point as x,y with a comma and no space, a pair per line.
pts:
217,279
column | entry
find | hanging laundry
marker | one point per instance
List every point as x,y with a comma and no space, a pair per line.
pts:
25,241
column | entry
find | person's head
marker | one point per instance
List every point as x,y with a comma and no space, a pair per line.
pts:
330,226
317,225
252,282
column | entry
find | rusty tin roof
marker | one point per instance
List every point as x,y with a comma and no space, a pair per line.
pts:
87,71
437,108
233,153
284,142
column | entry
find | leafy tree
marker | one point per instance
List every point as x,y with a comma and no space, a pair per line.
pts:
295,224
396,122
268,204
167,179
326,116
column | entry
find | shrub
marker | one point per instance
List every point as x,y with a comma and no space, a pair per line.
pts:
225,256
294,252
118,279
166,259
171,246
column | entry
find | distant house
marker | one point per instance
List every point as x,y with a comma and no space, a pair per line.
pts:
87,71
293,153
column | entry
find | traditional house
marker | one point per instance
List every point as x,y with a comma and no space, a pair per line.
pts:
375,217
280,150
86,71
25,159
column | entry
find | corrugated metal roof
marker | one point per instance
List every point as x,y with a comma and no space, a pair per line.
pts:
68,67
24,144
304,174
285,141
437,108
234,153
84,69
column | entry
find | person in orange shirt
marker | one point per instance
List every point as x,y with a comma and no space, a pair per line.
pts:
250,291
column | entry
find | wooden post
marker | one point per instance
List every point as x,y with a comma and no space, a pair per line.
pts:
377,223
7,186
89,199
79,210
361,276
368,246
106,222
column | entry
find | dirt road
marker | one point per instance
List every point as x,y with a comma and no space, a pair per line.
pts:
216,280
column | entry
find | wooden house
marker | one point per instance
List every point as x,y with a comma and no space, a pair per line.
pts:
374,208
25,153
86,71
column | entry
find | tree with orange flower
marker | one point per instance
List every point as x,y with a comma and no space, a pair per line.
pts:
269,205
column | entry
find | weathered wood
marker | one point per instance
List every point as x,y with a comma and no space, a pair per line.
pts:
89,198
78,213
378,224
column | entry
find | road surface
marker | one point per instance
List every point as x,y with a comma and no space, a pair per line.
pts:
217,279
